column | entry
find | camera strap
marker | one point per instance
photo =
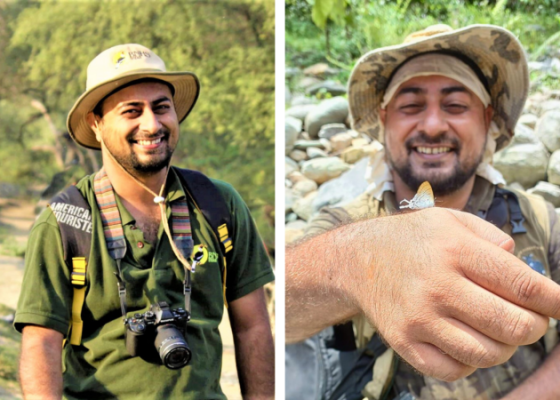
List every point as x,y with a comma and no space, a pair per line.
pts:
116,243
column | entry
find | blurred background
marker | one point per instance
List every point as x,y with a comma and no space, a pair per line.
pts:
45,47
326,160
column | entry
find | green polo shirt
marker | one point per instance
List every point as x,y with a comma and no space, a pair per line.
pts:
101,368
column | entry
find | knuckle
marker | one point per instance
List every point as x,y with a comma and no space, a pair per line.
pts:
524,285
521,328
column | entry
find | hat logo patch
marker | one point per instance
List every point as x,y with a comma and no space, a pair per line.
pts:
123,57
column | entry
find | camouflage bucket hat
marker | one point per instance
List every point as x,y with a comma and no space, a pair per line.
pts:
119,66
496,51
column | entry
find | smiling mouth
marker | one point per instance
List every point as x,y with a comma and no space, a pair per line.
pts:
148,142
432,150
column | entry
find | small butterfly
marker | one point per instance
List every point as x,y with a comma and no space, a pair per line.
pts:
423,199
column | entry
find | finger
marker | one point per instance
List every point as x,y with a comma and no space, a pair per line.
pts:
429,360
510,278
466,345
485,230
490,315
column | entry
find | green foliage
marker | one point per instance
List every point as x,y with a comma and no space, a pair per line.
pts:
228,44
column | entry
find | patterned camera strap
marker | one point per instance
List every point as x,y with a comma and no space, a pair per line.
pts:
114,233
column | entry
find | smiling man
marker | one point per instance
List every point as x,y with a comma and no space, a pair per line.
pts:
441,103
139,291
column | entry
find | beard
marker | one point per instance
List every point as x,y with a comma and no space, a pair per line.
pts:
137,167
443,183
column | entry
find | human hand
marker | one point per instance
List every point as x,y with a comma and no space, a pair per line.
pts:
447,295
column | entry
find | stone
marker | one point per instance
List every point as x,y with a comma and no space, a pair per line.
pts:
292,235
548,130
550,105
352,155
289,199
549,191
320,70
326,145
304,187
343,189
323,169
529,120
292,128
360,142
300,111
523,163
301,99
554,168
287,95
329,130
331,87
341,141
558,212
291,166
290,72
291,217
516,186
297,224
307,82
373,148
298,155
305,144
295,177
329,111
524,134
314,152
303,207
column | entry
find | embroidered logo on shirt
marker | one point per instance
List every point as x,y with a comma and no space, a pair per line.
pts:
207,256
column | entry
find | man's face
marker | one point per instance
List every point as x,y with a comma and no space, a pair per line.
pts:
140,128
435,130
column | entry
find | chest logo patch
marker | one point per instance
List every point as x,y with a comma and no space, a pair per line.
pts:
202,255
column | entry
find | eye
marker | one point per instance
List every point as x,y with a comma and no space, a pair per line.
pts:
131,111
162,108
411,108
456,108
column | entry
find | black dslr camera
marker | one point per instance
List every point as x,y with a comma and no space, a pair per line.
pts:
168,326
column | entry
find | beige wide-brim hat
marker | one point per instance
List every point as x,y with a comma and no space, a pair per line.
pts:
119,66
496,51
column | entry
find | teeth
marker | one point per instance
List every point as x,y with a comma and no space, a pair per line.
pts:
430,150
148,142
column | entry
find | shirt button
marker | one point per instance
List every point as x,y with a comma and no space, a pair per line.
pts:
140,245
133,227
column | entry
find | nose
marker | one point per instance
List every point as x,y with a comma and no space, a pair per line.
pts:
149,121
434,121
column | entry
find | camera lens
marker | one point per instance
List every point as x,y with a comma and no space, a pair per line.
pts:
172,347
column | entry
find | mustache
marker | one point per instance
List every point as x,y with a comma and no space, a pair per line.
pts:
441,139
136,136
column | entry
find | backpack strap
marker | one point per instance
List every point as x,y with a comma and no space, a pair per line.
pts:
73,215
210,202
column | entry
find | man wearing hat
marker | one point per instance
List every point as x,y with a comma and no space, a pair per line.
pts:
443,299
139,311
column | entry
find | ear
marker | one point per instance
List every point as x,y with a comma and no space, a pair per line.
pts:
488,114
94,125
382,115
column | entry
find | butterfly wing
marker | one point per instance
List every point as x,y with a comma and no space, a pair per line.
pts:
425,196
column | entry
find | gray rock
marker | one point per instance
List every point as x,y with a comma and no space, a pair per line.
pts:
287,95
301,99
326,145
292,130
329,111
304,187
332,87
290,72
341,141
9,191
297,224
308,81
306,144
289,199
291,166
292,235
304,206
320,70
300,112
554,168
516,186
529,120
524,134
548,130
314,152
323,169
298,155
352,154
291,217
549,191
523,163
343,189
550,105
329,130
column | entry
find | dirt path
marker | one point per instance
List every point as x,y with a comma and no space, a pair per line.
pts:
18,217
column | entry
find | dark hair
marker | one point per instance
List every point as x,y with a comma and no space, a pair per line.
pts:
470,63
98,109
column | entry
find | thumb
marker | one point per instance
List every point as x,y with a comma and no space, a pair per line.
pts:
485,230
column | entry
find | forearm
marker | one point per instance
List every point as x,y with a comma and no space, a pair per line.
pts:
254,352
322,277
543,384
40,366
